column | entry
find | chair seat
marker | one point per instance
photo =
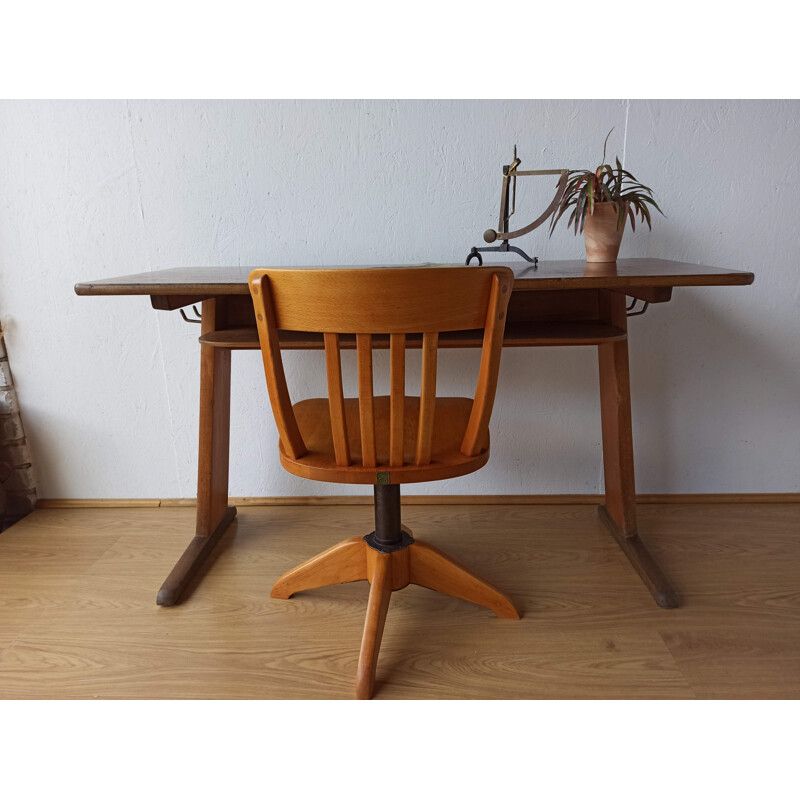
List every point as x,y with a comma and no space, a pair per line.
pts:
451,416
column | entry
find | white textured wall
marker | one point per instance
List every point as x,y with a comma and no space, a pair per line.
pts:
109,387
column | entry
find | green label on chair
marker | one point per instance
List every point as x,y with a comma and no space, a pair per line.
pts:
382,478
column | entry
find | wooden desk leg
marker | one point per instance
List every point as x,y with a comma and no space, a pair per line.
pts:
213,512
619,511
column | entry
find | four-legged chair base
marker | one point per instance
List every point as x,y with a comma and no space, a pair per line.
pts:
418,563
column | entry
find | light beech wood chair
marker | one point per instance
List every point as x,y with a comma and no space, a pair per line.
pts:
384,441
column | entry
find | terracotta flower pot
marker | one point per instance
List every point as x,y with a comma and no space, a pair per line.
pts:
603,238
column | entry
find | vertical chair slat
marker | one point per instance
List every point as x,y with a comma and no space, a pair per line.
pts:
333,366
478,424
365,399
279,399
427,404
397,397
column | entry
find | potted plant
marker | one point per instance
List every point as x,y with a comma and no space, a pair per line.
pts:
601,202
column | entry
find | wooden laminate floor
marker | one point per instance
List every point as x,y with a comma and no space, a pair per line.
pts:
78,617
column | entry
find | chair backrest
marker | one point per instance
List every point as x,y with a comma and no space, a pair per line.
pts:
394,301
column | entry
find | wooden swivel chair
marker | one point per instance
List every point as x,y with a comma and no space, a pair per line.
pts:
384,441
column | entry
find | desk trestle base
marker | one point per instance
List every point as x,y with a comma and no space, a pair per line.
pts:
199,549
644,563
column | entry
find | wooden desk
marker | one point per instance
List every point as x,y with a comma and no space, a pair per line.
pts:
565,303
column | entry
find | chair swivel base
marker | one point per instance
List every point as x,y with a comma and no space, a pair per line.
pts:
418,563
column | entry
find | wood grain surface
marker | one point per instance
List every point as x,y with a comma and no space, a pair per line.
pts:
625,272
517,334
78,617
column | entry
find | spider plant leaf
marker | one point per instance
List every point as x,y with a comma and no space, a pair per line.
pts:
635,184
621,215
606,175
574,217
642,199
606,142
557,214
614,186
583,210
634,181
645,215
620,174
580,209
575,188
653,203
634,194
633,218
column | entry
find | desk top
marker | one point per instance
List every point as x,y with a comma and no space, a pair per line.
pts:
627,272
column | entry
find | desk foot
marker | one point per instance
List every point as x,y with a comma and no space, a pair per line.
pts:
644,563
199,549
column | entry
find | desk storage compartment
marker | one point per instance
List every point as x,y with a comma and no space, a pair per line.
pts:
535,318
